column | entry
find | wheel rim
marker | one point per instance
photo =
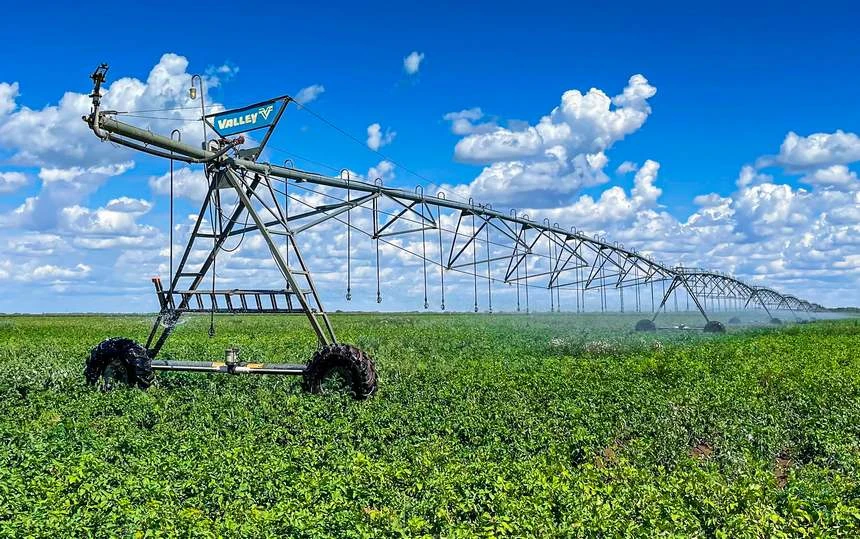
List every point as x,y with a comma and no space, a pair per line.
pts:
114,375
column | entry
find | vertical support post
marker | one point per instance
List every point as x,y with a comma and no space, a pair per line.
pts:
376,244
652,296
576,283
663,303
475,259
550,260
441,264
516,256
489,276
424,252
602,286
348,239
526,269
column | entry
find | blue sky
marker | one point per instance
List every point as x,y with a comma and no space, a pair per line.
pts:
732,81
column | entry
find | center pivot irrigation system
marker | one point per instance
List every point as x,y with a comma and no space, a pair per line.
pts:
474,242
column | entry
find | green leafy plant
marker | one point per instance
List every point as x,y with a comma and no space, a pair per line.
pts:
541,426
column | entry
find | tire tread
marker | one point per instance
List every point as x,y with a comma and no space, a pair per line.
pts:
135,357
356,361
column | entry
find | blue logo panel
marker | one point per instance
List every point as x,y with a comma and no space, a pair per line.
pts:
237,121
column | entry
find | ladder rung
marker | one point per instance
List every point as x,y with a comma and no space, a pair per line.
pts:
232,301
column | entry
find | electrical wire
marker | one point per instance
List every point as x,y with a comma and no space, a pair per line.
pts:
156,110
241,238
147,117
308,159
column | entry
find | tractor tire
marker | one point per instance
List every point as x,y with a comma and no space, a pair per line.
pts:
734,320
645,325
714,327
776,321
351,364
119,360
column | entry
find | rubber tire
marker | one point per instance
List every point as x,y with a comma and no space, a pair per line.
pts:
776,321
734,320
714,326
342,356
137,363
645,325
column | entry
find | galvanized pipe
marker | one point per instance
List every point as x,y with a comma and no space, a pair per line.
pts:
219,366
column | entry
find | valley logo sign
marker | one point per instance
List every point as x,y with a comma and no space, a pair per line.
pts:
249,118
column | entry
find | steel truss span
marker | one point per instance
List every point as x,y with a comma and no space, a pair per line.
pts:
465,238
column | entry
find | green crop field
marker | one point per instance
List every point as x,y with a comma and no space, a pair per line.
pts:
544,426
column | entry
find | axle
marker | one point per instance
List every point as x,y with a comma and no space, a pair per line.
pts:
229,368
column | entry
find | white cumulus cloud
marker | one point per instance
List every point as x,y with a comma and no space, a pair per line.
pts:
187,182
465,122
309,93
626,167
55,135
376,138
582,123
48,271
12,181
8,93
835,176
563,152
412,62
815,151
